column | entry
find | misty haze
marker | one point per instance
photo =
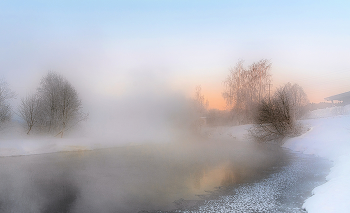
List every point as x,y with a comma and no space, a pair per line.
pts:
156,150
174,106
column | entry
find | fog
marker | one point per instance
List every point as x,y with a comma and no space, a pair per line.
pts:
146,110
154,158
150,112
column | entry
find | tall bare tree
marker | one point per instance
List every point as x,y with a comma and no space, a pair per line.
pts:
201,104
299,100
245,88
70,107
29,111
5,108
49,95
59,103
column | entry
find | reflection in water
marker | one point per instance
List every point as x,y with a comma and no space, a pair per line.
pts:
229,178
128,179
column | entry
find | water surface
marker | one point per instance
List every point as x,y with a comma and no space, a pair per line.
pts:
131,179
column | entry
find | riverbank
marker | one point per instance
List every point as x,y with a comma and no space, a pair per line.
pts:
329,138
284,189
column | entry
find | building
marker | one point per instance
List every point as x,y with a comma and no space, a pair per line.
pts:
344,98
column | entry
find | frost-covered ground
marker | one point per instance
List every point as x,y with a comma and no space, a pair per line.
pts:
329,137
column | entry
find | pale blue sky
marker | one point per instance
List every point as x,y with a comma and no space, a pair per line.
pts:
107,48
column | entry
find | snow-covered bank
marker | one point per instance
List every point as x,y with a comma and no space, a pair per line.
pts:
329,138
329,112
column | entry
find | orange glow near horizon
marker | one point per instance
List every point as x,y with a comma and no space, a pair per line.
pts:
212,88
216,101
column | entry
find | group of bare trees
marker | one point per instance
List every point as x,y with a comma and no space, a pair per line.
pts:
54,108
245,88
248,95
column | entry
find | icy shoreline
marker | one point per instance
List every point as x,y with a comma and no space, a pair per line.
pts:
282,191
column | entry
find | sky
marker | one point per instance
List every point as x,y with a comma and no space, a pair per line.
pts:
111,49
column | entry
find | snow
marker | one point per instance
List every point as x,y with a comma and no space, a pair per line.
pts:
328,137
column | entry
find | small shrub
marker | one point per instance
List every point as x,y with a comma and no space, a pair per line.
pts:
277,118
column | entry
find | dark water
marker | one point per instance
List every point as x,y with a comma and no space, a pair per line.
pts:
138,178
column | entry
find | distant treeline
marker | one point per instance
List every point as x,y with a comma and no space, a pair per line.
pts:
250,100
321,105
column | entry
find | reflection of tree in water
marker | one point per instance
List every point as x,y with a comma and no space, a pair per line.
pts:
230,175
235,174
61,195
229,178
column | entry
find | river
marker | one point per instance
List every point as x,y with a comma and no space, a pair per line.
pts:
187,176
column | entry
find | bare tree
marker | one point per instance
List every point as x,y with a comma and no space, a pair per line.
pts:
234,82
48,93
5,108
70,108
277,118
201,104
59,103
199,110
245,88
299,100
29,111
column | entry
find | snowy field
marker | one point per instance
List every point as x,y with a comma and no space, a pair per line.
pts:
328,137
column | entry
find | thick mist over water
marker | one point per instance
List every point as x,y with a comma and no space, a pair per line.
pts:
146,110
146,114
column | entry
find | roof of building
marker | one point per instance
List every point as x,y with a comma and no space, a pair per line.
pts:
339,97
